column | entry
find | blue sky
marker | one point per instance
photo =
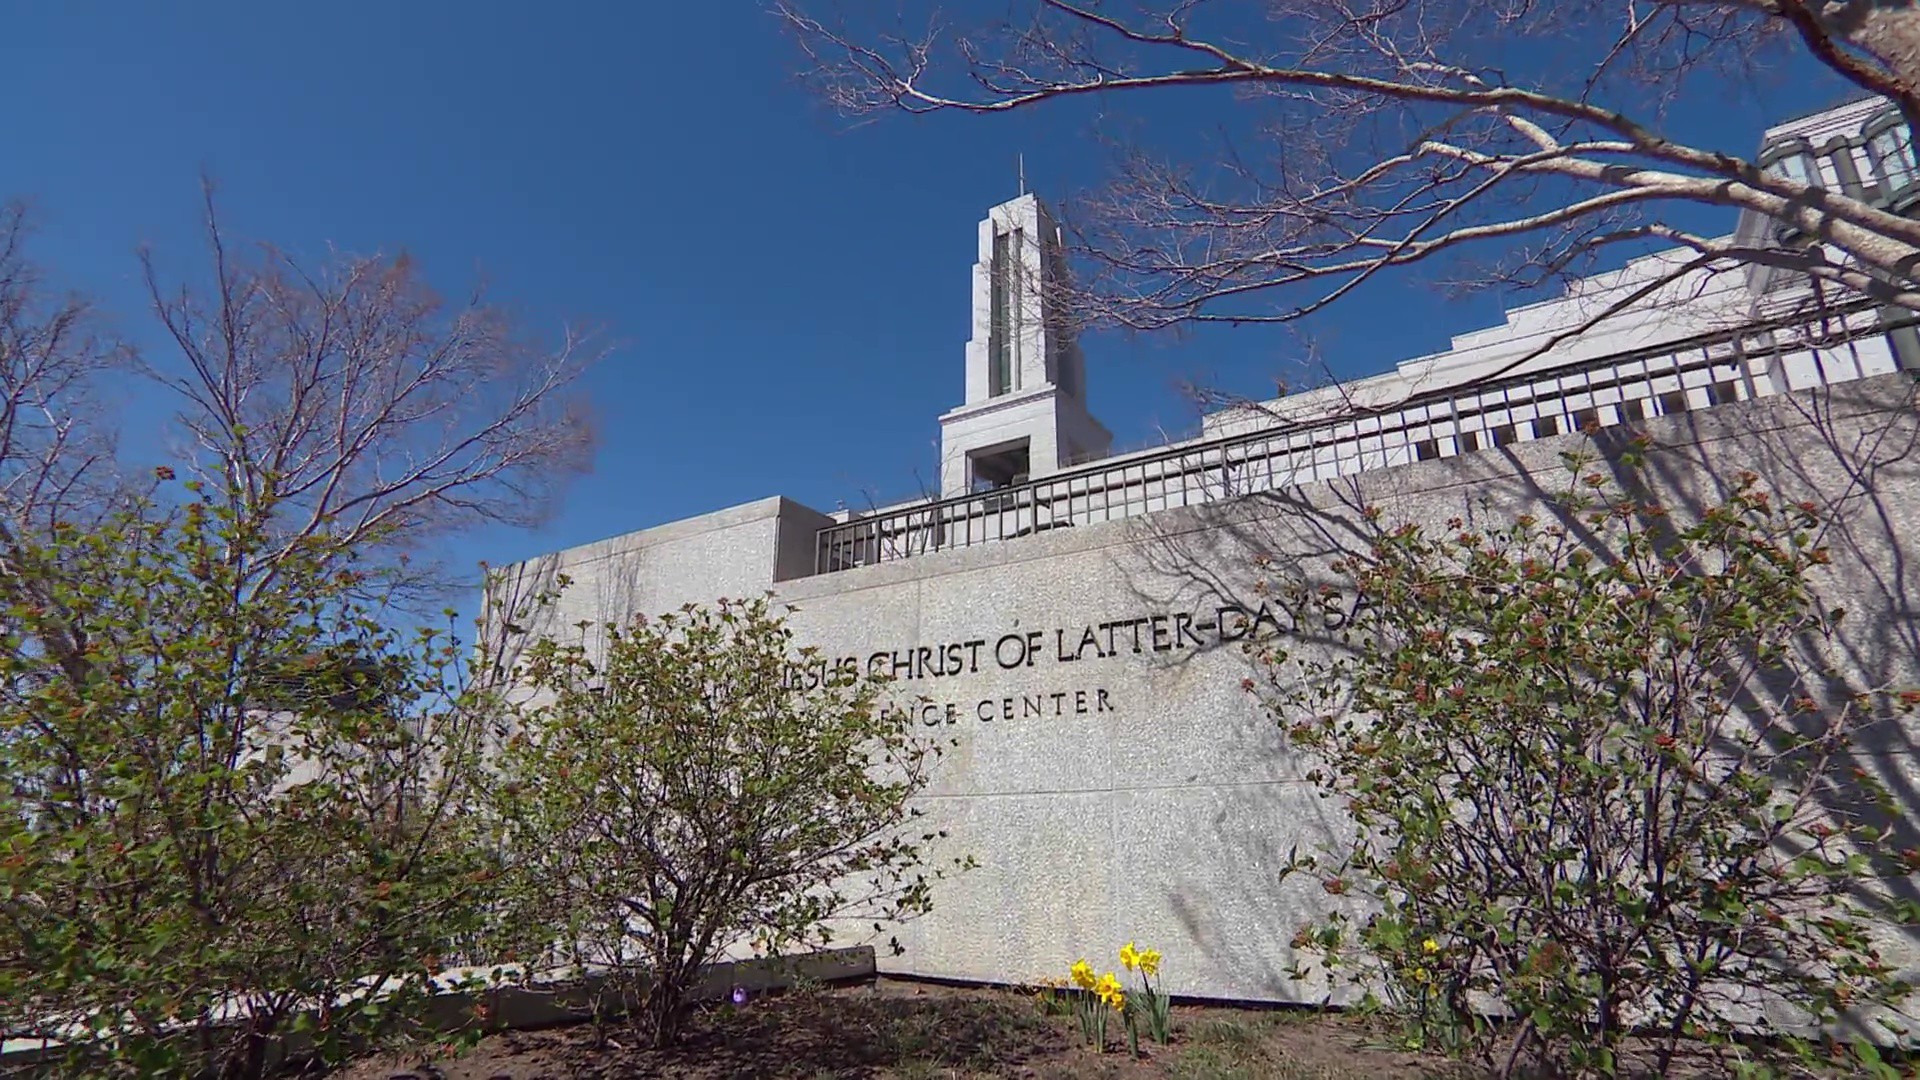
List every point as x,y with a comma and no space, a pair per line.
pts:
789,290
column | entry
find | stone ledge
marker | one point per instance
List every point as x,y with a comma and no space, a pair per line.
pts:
557,1001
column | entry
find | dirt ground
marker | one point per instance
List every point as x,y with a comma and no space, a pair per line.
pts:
890,1030
897,1030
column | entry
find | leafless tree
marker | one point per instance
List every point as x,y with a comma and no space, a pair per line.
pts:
1362,136
53,462
343,399
56,460
350,400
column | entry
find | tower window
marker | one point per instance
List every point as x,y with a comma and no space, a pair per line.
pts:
1546,426
1000,316
1891,149
1793,161
1673,401
998,467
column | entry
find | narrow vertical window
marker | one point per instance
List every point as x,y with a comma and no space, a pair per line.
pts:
1791,160
1891,149
1797,168
999,345
1017,301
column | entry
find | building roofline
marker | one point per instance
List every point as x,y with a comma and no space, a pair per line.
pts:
1848,100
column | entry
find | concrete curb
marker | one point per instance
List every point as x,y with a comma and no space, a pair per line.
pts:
550,1003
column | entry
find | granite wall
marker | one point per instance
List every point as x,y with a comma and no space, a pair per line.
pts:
1112,777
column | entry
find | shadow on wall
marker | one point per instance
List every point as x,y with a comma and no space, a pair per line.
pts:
526,602
1853,449
1231,901
514,612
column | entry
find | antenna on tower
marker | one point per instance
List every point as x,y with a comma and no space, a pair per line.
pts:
1021,165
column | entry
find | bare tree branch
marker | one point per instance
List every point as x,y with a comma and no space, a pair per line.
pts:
350,400
1386,133
51,356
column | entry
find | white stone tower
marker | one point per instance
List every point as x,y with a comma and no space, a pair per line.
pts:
1025,414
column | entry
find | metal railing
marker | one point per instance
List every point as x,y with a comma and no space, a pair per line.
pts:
1677,376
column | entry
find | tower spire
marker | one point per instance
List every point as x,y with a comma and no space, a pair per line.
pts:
1025,413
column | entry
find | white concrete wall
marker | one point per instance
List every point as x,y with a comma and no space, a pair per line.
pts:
738,552
1127,788
1026,415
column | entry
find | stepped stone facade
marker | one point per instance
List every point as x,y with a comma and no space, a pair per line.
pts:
1075,620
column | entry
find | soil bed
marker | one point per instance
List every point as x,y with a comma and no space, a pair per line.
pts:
898,1030
892,1030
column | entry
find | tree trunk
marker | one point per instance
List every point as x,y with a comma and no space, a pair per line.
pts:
661,1013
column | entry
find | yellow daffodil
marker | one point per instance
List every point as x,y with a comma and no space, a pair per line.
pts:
1150,962
1082,974
1108,990
1118,999
1129,958
1430,945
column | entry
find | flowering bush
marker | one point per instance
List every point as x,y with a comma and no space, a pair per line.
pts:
1149,1003
1092,996
1095,997
1593,780
231,800
677,795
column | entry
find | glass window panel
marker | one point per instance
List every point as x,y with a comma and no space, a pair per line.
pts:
1797,168
999,347
1892,154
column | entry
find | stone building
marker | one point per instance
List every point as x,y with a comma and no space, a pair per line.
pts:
1071,615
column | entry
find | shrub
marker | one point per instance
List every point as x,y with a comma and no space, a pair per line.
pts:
228,799
1599,780
684,796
